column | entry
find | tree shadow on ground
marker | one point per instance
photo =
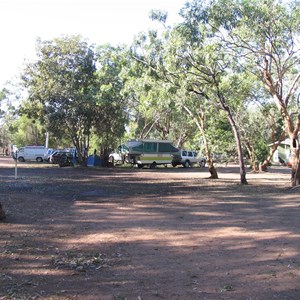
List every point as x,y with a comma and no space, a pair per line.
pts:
122,235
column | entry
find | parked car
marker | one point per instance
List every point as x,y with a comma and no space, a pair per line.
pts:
118,157
55,157
48,153
52,156
115,158
189,158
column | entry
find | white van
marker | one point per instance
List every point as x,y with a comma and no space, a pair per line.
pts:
31,153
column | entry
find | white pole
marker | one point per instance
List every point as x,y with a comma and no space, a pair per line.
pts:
47,140
16,166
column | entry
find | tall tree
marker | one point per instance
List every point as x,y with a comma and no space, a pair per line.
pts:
9,97
183,61
61,84
206,69
111,105
266,34
155,107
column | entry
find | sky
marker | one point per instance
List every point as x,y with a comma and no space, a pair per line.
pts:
100,21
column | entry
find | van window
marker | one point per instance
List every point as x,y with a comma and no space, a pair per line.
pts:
138,148
166,147
150,147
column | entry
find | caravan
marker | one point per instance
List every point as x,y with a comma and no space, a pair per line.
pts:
150,152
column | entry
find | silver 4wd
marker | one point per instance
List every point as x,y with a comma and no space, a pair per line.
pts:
189,159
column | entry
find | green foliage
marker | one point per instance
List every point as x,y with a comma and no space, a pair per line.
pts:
2,97
158,15
197,81
8,114
26,131
111,105
61,87
261,150
219,134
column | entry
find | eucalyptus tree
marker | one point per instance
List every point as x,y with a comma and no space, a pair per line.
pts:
2,98
27,131
61,85
111,105
9,97
204,66
213,132
255,136
266,35
276,132
167,56
155,106
157,114
3,128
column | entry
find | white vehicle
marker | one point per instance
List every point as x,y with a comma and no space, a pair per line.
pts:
115,158
189,159
150,152
31,153
119,156
47,154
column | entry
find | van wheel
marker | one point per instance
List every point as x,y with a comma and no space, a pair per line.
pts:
140,166
21,159
153,165
39,159
187,164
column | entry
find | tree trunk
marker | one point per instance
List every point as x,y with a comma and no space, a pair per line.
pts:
236,134
243,179
251,153
295,178
292,124
264,165
199,121
79,154
212,170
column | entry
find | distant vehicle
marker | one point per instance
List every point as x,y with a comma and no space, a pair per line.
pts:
31,153
14,149
189,158
144,152
115,158
54,157
48,153
119,156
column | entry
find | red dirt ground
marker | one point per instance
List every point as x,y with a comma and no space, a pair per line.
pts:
167,233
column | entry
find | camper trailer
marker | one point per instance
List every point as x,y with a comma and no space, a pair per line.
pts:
150,152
